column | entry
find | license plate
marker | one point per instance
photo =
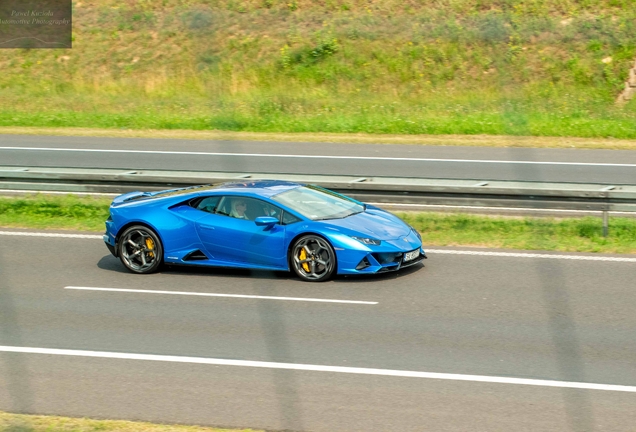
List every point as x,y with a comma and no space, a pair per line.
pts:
409,256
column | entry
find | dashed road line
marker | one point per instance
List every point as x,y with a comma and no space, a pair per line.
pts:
242,296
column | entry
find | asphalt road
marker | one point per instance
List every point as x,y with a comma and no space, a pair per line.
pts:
482,163
563,320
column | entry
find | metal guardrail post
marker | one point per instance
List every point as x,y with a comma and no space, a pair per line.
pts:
605,193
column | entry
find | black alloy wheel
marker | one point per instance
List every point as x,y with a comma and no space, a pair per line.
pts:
140,250
313,259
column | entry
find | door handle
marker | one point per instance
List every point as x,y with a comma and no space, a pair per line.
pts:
208,227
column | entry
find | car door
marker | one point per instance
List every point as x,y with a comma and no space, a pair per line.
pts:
235,240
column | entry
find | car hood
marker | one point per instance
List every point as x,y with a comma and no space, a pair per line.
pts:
376,224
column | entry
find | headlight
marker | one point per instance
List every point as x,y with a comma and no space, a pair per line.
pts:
417,233
367,241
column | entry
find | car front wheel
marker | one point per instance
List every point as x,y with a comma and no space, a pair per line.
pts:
313,259
140,250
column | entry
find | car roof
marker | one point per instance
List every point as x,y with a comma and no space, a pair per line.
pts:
266,188
255,188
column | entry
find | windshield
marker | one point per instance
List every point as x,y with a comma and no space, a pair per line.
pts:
317,203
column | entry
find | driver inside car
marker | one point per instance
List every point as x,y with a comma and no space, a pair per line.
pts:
238,209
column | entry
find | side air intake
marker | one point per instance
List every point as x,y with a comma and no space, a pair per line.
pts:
195,255
363,264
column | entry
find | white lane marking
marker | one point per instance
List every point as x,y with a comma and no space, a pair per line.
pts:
45,192
518,209
530,255
428,251
40,234
265,155
221,295
321,368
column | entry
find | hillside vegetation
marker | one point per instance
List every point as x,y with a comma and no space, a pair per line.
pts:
519,67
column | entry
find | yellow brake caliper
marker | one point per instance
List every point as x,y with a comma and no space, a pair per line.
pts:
302,256
150,245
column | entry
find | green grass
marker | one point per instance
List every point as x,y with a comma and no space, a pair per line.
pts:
39,423
502,67
54,212
566,235
571,235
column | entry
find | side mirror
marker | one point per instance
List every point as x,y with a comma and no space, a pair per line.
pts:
266,221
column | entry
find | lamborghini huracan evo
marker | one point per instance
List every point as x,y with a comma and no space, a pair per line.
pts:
266,224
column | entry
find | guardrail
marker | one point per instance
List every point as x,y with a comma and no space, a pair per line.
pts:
479,193
568,196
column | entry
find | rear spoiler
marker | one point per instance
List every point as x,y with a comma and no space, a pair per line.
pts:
139,195
130,196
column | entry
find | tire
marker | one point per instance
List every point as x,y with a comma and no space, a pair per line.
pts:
140,250
313,259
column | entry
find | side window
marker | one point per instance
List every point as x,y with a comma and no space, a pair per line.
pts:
224,207
207,204
263,208
289,218
238,207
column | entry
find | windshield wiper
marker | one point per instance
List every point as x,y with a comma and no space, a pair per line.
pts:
337,217
351,214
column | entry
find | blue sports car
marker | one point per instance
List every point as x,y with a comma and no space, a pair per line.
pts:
267,224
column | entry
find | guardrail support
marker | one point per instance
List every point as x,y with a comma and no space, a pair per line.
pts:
605,223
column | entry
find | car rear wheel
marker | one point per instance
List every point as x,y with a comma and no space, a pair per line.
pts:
140,250
313,259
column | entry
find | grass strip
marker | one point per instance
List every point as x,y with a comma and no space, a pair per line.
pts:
548,234
438,229
69,212
347,138
39,423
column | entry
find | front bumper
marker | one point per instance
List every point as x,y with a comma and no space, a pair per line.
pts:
402,264
375,262
387,257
